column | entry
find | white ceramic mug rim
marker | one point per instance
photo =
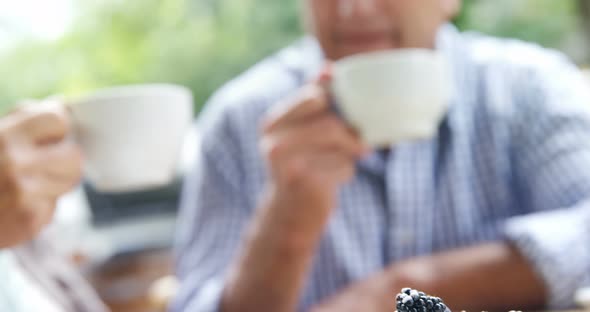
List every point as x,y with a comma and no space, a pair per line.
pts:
131,91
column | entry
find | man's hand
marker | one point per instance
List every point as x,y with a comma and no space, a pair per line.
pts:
37,165
310,152
490,277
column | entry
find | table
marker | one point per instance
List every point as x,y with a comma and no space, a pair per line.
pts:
124,282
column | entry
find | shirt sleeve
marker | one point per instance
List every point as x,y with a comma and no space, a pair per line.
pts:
211,219
552,167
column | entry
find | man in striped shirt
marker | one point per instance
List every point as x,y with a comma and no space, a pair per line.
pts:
287,211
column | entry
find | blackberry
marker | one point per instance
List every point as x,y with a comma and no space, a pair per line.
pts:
410,300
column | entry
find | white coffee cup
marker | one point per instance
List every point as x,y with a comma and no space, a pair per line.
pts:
131,136
393,96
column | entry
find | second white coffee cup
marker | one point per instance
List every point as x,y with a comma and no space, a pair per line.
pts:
131,136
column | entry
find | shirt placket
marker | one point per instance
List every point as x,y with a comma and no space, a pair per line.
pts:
410,199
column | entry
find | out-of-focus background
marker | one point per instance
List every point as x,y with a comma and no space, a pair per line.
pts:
71,46
75,46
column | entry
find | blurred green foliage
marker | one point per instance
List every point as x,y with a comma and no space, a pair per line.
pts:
203,43
197,43
550,23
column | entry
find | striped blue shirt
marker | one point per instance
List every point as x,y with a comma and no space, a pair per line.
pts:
511,161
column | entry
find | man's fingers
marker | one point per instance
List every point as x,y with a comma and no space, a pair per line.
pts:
325,132
325,76
33,174
43,122
66,161
311,100
339,167
40,187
